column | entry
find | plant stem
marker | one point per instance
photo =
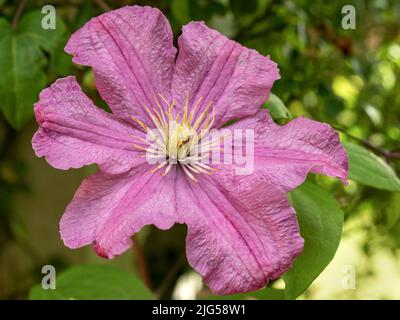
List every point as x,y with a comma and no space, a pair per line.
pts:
141,262
171,275
102,5
18,13
383,152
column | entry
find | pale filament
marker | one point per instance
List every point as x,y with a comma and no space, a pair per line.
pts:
178,138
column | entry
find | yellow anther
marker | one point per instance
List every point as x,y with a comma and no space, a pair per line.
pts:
174,137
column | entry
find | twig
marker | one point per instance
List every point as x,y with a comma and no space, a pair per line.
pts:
383,152
169,278
18,13
141,262
102,5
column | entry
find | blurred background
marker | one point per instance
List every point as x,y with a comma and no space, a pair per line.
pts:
347,78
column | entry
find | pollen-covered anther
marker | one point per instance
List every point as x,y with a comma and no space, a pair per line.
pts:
178,138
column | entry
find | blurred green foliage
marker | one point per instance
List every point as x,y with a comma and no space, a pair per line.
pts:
347,78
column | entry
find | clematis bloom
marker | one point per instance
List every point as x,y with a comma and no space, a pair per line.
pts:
242,231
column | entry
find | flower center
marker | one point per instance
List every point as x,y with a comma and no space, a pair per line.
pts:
178,138
180,141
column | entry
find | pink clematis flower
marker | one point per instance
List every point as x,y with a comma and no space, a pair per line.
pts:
242,231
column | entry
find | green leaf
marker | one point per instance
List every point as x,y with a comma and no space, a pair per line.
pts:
21,79
5,28
21,63
61,62
393,210
93,282
320,219
276,107
31,25
367,168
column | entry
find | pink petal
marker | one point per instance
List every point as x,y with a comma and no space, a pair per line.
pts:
242,231
132,54
108,209
284,155
73,132
236,79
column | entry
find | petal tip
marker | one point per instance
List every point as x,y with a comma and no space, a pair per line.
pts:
101,252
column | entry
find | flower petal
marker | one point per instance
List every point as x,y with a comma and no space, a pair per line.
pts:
108,209
242,231
73,132
236,79
132,54
286,154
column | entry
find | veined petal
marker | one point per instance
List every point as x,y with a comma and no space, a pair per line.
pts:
218,70
242,231
284,155
108,209
132,54
73,132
